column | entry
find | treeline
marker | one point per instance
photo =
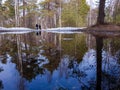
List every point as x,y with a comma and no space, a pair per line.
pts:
54,13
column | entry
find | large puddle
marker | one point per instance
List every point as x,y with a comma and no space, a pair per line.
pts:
57,61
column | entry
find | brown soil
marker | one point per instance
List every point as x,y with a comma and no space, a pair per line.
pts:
106,30
107,27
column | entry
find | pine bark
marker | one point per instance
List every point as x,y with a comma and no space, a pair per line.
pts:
101,13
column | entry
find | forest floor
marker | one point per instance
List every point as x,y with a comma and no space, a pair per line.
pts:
107,30
108,27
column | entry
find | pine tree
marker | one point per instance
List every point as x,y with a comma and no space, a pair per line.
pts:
101,13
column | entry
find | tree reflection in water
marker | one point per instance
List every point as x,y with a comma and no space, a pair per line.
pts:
54,61
108,70
1,84
99,46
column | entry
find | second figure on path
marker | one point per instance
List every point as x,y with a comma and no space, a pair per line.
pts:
38,27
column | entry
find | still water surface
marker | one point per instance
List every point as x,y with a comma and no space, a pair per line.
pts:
54,61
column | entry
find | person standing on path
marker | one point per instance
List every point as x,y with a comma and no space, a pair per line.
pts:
37,26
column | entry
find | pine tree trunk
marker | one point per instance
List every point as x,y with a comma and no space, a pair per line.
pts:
16,13
101,13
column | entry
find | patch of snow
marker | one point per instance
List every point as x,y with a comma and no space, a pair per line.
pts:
19,28
2,28
15,28
67,30
21,32
63,32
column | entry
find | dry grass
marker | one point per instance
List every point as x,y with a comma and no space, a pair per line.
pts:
106,30
106,27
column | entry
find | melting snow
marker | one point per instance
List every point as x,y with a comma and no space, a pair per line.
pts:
19,28
22,32
67,30
15,28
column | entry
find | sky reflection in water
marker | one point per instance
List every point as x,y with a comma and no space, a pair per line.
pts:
53,61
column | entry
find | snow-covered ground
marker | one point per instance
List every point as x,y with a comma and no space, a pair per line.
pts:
15,28
19,30
2,28
59,28
68,30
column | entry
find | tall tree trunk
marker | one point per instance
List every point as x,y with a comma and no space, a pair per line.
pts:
24,23
101,13
16,13
60,24
116,7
